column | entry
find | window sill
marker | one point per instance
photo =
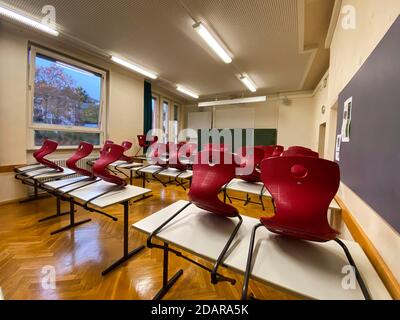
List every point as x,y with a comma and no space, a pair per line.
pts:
72,148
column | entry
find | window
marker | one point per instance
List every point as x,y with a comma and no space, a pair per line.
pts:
154,106
67,100
175,124
165,120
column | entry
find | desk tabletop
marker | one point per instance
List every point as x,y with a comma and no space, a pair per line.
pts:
29,167
126,165
91,191
312,270
48,173
256,187
169,172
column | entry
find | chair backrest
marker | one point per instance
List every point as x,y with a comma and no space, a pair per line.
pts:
47,148
251,157
278,151
112,153
300,151
158,152
302,189
207,182
39,151
268,151
127,145
106,144
216,147
173,160
143,143
83,151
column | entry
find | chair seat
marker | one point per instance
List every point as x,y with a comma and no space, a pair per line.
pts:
324,235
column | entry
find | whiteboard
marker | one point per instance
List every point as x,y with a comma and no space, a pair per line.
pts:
199,120
235,118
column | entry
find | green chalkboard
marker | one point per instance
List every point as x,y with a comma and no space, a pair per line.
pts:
237,138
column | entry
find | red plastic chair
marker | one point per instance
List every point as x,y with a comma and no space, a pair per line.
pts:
48,148
35,154
106,144
83,151
300,151
143,143
251,157
208,179
216,147
268,151
174,157
111,154
278,151
302,189
127,146
272,151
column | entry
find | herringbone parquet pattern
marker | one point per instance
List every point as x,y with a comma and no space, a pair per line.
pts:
80,255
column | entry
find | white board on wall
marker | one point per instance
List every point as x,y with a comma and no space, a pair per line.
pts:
199,120
235,118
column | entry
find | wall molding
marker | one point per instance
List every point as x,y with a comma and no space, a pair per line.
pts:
9,168
358,234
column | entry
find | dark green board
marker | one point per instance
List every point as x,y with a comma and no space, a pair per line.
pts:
261,137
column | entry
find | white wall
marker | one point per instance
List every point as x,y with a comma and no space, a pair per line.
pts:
349,50
125,100
294,122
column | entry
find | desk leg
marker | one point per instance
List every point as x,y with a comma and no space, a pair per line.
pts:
72,223
131,177
144,180
58,213
167,283
36,195
127,255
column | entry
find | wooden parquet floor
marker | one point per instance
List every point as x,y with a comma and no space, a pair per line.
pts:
78,256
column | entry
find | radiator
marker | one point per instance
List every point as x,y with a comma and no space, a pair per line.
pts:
63,163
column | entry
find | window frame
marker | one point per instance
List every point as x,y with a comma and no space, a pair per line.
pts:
33,51
167,133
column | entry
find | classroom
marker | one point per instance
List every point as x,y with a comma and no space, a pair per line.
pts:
224,151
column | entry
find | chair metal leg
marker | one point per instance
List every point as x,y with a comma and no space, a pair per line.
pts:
167,283
262,203
360,280
249,262
155,232
214,277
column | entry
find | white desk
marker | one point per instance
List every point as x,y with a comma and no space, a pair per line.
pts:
312,270
48,173
125,165
168,173
91,191
255,188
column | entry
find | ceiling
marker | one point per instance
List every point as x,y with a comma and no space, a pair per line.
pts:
278,43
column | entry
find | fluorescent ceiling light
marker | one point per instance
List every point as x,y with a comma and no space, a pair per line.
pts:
134,67
212,42
27,21
232,101
187,92
248,83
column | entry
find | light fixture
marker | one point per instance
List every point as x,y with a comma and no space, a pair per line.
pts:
187,92
248,83
212,42
134,67
27,21
232,101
